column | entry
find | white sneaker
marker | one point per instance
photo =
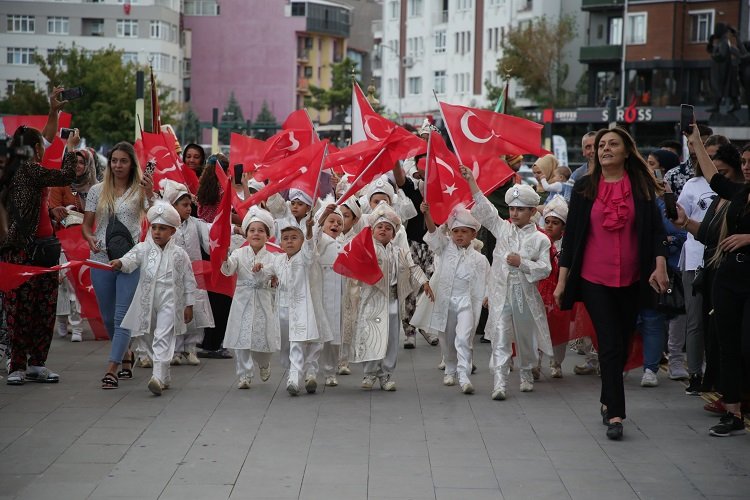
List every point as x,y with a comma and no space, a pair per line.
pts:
498,394
331,381
191,359
265,373
467,388
145,362
155,386
677,371
76,337
441,366
555,371
387,384
292,388
449,380
311,384
649,379
368,382
176,359
526,386
244,382
345,370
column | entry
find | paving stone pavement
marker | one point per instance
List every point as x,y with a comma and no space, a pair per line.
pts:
204,439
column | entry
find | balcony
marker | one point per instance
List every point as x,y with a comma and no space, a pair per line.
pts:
600,53
593,5
440,17
377,28
303,85
303,55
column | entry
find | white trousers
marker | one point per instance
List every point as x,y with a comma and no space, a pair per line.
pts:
187,341
243,359
330,358
303,359
161,341
456,342
284,327
73,319
387,365
519,325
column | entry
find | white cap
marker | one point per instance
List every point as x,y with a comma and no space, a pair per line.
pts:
381,185
461,217
171,191
296,194
427,127
253,184
288,223
323,205
163,213
257,214
557,207
521,195
352,204
384,213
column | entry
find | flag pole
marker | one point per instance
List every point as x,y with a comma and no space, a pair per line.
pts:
447,128
316,137
317,182
341,200
427,166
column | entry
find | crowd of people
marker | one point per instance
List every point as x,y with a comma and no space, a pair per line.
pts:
521,266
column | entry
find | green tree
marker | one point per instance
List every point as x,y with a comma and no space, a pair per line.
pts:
338,97
25,99
536,57
189,127
493,94
106,112
232,119
265,123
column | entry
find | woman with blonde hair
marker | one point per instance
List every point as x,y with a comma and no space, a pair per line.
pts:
116,206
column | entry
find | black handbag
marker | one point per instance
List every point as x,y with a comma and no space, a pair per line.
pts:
672,302
45,252
118,239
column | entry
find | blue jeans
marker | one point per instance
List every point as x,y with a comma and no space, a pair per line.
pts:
653,326
114,292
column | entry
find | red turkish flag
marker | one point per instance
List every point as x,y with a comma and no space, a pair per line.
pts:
309,181
247,151
300,120
358,260
220,233
168,165
366,123
401,144
15,275
53,155
11,122
286,143
206,279
445,186
352,159
378,163
223,179
479,133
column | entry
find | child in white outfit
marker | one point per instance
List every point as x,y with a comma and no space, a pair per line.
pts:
163,301
253,324
520,260
459,284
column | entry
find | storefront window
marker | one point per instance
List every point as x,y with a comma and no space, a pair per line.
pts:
607,85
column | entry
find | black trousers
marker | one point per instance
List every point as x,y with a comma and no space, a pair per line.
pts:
613,312
732,311
213,338
711,376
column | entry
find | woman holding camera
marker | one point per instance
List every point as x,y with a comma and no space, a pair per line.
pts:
30,240
116,206
613,257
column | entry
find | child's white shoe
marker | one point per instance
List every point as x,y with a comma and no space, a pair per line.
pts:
345,370
244,382
311,384
145,362
467,388
62,328
499,394
176,359
331,381
191,358
555,370
387,384
265,373
441,366
155,386
76,337
449,380
292,388
368,381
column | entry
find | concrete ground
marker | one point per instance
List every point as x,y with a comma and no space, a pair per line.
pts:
205,439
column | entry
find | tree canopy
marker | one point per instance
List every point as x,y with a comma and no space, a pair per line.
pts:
338,97
232,119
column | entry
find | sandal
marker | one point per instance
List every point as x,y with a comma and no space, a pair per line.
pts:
110,381
127,373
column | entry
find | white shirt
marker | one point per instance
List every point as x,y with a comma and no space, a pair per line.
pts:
695,198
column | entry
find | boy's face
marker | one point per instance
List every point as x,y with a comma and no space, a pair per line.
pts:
463,236
383,233
291,241
554,227
377,198
332,225
257,235
349,219
184,207
299,209
161,233
521,216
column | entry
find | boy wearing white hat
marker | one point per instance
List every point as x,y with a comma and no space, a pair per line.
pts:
379,325
163,302
253,323
520,260
192,236
459,283
352,225
294,212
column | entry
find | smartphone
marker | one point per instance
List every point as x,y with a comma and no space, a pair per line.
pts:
687,117
239,168
670,205
659,174
65,133
71,93
150,167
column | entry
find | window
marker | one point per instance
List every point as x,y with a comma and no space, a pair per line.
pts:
438,83
441,40
415,85
158,29
635,33
129,57
127,28
57,25
464,4
201,8
414,8
392,87
21,24
308,72
159,61
11,85
92,27
415,46
701,25
173,30
493,39
614,31
20,55
298,9
394,9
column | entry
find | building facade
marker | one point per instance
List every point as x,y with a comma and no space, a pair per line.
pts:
147,31
452,47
